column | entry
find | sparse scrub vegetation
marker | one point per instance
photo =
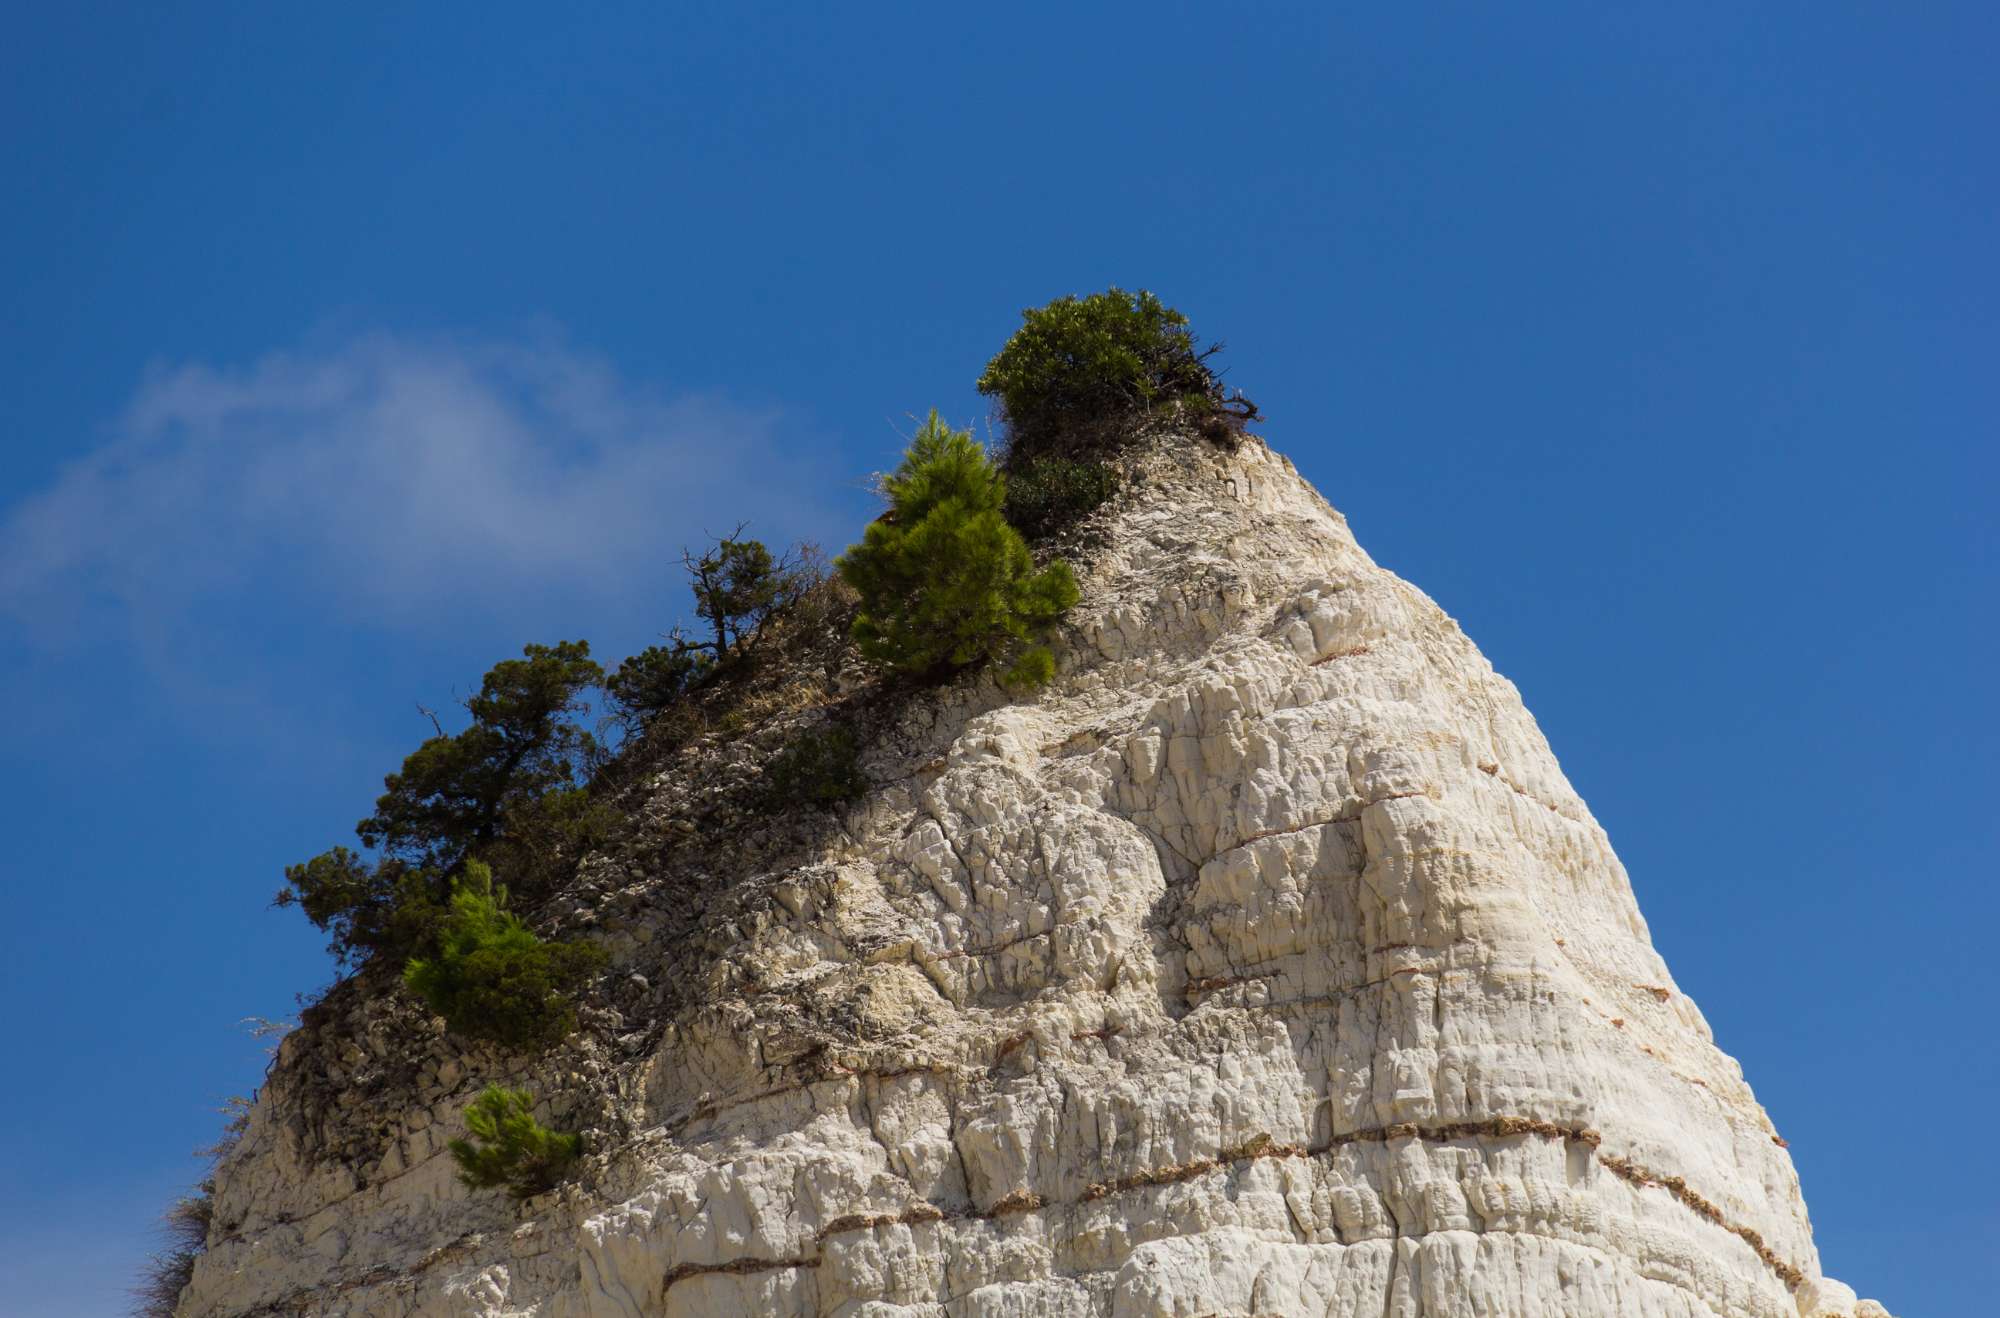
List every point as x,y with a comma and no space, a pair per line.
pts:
509,1147
184,1227
739,589
514,789
653,681
513,801
480,826
944,581
820,765
165,1274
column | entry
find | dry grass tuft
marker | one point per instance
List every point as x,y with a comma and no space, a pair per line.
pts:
183,1235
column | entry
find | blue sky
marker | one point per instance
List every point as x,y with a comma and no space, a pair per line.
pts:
348,350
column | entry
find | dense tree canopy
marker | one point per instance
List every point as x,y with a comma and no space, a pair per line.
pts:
1080,365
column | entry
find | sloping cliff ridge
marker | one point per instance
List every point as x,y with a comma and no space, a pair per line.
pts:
1265,963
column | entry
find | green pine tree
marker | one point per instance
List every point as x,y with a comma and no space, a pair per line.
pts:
944,580
512,1148
508,789
454,793
492,978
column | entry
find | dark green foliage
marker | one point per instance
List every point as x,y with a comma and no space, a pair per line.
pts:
507,789
819,766
546,835
492,978
652,680
944,580
387,907
454,793
1050,494
1080,367
511,1148
737,585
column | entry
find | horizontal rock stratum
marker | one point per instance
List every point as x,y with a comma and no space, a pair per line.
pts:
1265,963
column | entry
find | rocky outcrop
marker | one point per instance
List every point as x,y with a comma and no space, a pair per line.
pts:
1264,964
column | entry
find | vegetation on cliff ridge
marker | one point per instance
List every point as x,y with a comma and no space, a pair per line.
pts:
1080,370
481,829
944,581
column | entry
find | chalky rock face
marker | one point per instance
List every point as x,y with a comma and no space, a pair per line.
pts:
1264,964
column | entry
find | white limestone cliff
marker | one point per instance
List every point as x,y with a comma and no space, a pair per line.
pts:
1266,963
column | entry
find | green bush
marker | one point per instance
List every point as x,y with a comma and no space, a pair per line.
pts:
653,680
820,766
511,1148
1080,368
492,978
944,580
1048,495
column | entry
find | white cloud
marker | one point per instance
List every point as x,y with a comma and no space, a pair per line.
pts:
388,479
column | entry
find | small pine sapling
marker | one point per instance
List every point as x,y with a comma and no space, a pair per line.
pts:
492,978
509,1147
944,580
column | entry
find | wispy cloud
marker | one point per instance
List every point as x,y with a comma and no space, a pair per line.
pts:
389,477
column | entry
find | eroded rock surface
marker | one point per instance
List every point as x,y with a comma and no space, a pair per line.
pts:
1265,964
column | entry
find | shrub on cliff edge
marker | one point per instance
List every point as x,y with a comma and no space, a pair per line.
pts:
507,790
455,794
1081,367
944,580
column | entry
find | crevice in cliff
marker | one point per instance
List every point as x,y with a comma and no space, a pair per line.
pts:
1263,1146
